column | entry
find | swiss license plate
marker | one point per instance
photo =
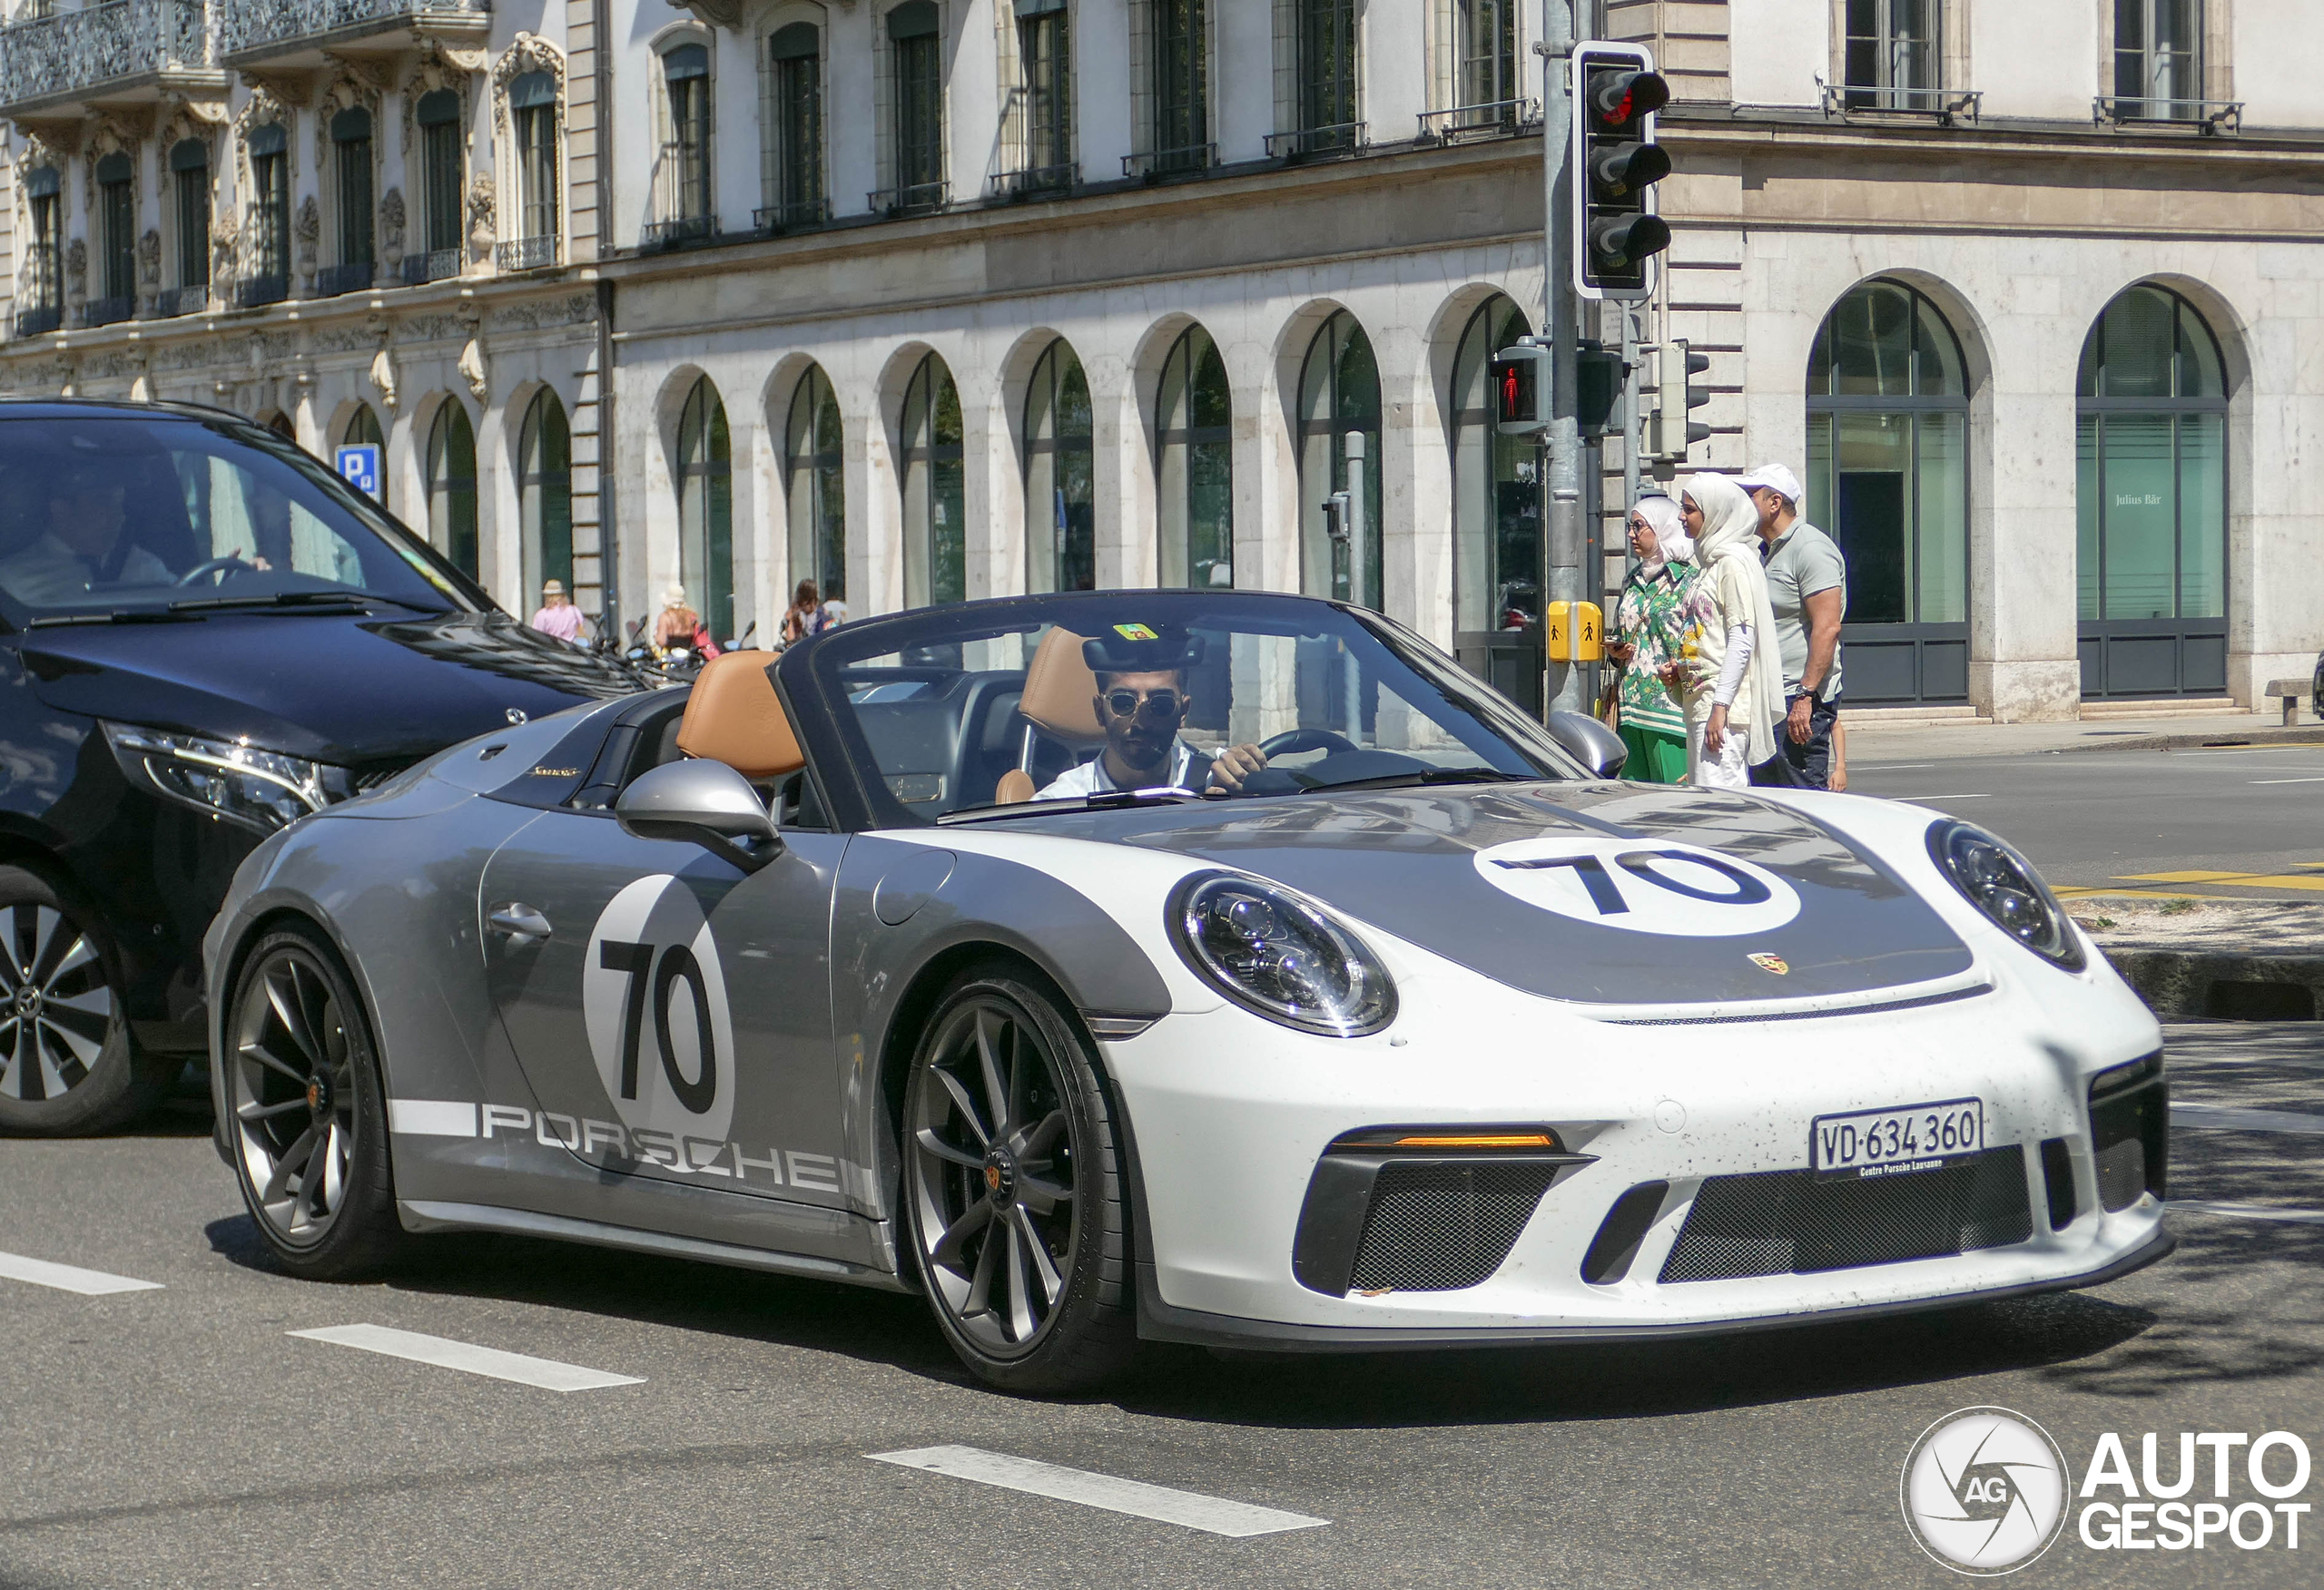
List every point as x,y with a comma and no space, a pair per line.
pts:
1887,1143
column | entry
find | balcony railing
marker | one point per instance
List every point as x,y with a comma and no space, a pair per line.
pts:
59,58
173,302
433,265
918,199
1340,138
1947,105
334,279
260,291
249,28
1171,162
2197,115
774,218
104,311
683,229
1035,181
526,254
1494,118
39,320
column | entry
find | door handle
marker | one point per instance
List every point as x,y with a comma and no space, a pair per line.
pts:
519,921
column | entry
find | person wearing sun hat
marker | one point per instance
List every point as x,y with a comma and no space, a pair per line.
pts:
1807,587
558,616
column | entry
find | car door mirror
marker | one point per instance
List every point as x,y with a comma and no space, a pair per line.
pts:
706,803
1589,742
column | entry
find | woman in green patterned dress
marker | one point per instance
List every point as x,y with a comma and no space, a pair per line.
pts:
1647,636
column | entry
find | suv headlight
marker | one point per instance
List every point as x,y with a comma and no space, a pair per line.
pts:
2003,885
1273,952
262,790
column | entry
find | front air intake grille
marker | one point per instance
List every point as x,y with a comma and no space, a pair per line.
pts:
1435,1226
1787,1223
2130,1131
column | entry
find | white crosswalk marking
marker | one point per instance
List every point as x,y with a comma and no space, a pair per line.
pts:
2229,1118
1212,1515
72,1278
446,1354
2246,1211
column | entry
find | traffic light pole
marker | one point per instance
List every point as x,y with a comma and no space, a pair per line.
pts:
1561,471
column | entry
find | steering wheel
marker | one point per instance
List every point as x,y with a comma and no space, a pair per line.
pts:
215,565
1292,741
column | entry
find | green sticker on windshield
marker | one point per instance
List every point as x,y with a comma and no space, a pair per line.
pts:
1135,632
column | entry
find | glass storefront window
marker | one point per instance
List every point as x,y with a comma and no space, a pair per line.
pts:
1496,492
1195,465
1061,484
1339,392
936,561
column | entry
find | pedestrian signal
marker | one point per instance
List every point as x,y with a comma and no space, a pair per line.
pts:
1670,433
1521,390
1617,233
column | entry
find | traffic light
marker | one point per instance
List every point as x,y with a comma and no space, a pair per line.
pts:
1521,390
1669,432
1598,379
1616,231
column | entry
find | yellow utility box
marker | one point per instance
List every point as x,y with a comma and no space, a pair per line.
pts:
1577,632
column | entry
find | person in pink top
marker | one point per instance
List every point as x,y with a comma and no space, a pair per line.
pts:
557,616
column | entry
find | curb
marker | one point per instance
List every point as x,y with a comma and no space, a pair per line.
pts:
2181,984
2306,734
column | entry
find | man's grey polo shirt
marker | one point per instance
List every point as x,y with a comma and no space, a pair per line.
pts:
1802,561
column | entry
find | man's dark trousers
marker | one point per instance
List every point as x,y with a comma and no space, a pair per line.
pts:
1797,766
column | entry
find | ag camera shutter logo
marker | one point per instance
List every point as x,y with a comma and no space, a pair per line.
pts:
1984,1491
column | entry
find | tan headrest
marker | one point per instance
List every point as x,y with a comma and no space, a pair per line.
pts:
1016,787
1060,693
734,717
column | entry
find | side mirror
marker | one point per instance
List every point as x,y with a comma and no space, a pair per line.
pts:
1589,742
706,803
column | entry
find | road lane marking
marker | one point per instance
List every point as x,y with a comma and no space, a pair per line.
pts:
72,1278
1936,797
547,1373
2246,1211
2228,1118
2319,779
1212,1515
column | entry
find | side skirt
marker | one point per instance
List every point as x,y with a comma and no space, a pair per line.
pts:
427,1215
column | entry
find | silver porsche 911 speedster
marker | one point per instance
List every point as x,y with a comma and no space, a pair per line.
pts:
1214,967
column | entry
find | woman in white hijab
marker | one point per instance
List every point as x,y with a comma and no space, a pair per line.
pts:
1733,687
1645,640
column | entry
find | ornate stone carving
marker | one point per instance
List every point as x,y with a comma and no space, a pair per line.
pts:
307,228
471,369
383,375
225,240
430,328
375,74
76,271
481,236
149,258
717,13
526,53
533,314
391,229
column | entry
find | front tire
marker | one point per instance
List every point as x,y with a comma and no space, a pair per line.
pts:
306,1115
1013,1189
68,1064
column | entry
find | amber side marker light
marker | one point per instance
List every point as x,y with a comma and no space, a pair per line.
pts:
1514,1138
1492,1140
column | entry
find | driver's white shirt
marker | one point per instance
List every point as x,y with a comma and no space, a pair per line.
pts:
50,571
1091,778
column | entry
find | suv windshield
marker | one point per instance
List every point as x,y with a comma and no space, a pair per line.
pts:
991,710
107,513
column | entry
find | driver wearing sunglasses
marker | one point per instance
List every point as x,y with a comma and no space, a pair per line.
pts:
1142,701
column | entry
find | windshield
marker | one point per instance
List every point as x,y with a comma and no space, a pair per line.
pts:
987,712
107,514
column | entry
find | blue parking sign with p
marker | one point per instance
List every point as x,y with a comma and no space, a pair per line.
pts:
358,466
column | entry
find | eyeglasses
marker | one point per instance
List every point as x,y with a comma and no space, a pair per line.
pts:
1160,706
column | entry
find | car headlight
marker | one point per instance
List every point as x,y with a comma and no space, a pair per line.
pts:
262,790
1272,952
2003,885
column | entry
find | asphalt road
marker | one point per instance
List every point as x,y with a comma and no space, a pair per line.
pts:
179,1436
2113,819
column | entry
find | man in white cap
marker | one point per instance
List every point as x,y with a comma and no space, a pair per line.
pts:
1807,588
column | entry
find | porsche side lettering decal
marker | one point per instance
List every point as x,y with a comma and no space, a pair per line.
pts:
654,997
1640,887
624,1148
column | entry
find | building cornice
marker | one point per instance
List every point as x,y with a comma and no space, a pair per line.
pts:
1747,128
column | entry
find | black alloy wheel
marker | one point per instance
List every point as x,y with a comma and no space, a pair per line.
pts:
308,1126
67,1062
1014,1191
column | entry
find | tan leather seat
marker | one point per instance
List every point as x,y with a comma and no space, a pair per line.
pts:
1061,701
733,716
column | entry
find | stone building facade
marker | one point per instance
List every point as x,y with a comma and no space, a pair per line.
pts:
926,299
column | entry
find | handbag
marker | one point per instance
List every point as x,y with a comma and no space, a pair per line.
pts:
1608,709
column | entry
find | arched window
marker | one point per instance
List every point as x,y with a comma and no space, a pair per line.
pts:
815,449
1888,479
362,428
532,112
545,496
1194,465
1496,517
936,560
2151,553
1339,393
451,486
42,285
707,510
1061,484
